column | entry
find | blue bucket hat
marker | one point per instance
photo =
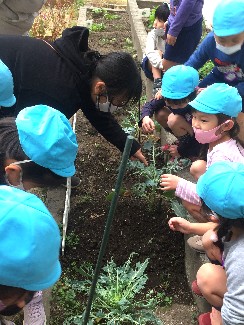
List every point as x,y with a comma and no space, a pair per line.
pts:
47,138
218,98
30,241
179,81
7,97
228,18
221,187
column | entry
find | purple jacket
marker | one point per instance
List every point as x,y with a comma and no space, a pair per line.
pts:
183,13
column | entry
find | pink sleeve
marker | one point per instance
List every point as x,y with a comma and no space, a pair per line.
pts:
186,190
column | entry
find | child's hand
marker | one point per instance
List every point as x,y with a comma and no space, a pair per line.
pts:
169,182
171,40
158,95
173,150
215,317
148,125
180,224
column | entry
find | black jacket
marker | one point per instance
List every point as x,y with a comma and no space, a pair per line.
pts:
56,78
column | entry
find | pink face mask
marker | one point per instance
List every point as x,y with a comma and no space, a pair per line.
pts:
208,136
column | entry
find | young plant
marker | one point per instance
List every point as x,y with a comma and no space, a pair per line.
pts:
110,16
119,298
97,27
148,176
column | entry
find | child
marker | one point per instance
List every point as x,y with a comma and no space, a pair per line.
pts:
7,97
183,31
221,188
28,265
225,48
214,122
155,46
38,148
178,89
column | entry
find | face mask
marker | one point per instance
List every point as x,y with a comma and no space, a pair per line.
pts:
230,49
106,107
21,185
207,136
159,32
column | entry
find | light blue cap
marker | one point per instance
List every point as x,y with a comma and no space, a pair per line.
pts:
218,98
30,241
7,97
179,81
47,138
221,187
228,18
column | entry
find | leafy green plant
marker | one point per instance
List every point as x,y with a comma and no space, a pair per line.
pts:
97,27
98,11
111,16
118,298
152,17
204,71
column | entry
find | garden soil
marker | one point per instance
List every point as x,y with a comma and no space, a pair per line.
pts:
135,228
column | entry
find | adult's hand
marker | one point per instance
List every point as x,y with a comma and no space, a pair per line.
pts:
139,155
171,40
148,125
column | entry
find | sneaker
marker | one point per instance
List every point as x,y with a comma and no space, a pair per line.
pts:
195,288
204,319
156,86
75,182
195,243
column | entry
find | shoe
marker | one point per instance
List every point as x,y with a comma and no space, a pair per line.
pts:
204,319
75,182
157,84
195,243
195,288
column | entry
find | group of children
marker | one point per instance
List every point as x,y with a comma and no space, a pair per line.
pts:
38,148
207,119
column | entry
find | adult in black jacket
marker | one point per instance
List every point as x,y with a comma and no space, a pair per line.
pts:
67,76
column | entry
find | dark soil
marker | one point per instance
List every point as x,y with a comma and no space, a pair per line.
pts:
135,228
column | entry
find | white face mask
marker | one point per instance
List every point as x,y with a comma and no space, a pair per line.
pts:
106,107
159,32
230,49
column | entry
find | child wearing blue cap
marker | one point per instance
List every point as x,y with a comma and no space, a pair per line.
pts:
173,111
214,123
28,265
38,148
7,98
221,189
225,48
152,63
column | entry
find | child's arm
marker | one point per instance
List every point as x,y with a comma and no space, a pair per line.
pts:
186,227
203,53
148,110
182,14
185,190
152,52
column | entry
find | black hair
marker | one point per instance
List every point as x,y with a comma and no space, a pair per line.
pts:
7,292
119,72
180,101
10,148
162,12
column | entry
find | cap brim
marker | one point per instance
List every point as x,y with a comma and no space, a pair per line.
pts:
170,95
64,172
9,102
202,108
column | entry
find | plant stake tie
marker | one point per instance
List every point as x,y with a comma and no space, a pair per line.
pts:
122,169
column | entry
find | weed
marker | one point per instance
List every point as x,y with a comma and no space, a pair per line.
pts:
118,295
72,239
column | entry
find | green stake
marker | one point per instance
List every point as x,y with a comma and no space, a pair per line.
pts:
122,169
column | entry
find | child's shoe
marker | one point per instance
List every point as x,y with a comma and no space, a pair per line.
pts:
204,319
195,242
195,288
156,86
